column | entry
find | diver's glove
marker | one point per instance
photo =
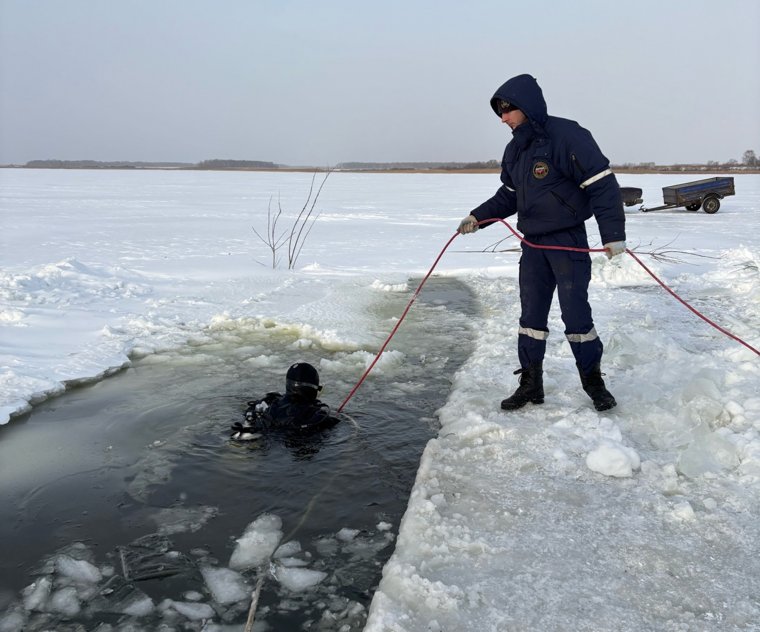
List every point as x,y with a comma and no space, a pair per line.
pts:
238,427
242,427
468,225
614,248
243,432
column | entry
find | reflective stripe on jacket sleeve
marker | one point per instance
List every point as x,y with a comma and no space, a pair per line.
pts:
596,178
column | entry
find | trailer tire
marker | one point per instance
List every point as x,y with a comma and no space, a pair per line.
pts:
711,204
693,207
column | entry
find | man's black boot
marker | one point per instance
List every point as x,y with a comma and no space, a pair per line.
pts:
531,388
594,386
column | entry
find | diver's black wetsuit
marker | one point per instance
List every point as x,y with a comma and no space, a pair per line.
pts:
284,413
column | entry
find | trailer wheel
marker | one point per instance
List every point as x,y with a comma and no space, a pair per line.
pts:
711,204
693,207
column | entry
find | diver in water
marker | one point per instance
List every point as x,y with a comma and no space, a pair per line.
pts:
298,411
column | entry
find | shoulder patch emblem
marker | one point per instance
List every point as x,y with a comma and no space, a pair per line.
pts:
540,170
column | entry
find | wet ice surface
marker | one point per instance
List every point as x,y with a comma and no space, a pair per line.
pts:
137,510
557,517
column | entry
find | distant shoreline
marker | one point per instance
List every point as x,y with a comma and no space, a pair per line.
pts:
693,169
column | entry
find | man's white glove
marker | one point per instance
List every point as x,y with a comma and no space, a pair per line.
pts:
614,248
468,225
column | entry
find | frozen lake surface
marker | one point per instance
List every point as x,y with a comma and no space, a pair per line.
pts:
553,517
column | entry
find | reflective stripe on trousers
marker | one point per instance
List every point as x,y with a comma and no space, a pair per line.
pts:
569,273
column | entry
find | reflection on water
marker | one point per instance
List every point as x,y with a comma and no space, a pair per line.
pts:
146,452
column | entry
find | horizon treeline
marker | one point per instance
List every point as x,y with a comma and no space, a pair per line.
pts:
220,163
749,161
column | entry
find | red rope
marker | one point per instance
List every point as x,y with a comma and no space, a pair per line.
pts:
398,324
684,303
541,247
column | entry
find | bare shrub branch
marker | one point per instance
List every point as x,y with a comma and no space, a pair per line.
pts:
272,240
661,253
296,236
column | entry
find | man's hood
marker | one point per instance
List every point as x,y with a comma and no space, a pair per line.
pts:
524,92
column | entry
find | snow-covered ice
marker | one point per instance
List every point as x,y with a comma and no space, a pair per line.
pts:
552,517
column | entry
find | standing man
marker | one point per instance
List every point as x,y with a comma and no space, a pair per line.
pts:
555,177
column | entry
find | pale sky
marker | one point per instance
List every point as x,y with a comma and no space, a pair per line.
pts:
306,82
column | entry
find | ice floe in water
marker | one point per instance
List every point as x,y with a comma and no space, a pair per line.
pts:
73,587
257,544
297,579
226,585
183,519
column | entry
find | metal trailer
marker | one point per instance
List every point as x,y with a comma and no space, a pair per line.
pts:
631,195
705,194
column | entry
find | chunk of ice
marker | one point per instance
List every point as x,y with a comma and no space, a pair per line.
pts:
226,586
257,543
298,579
35,595
289,549
139,607
12,621
78,570
346,534
613,459
65,601
684,511
191,610
292,561
172,520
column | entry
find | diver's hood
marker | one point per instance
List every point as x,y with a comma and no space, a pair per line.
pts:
524,92
302,380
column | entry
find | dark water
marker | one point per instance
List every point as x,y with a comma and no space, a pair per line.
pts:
146,451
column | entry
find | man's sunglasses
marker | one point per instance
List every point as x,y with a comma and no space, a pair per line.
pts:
502,107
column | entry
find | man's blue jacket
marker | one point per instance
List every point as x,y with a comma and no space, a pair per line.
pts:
554,176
